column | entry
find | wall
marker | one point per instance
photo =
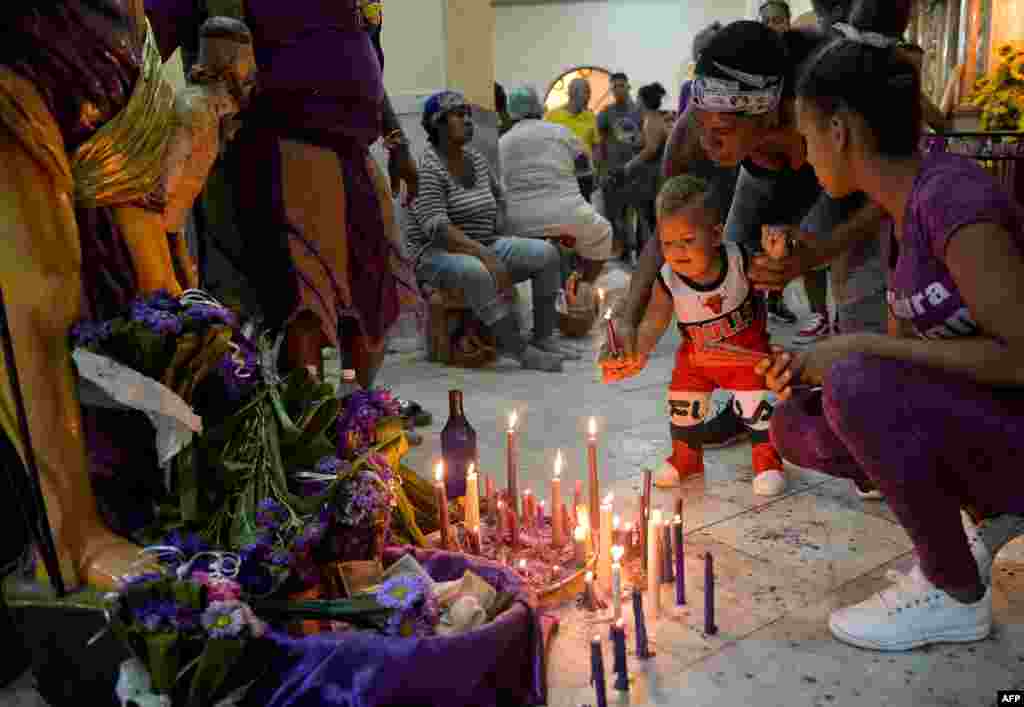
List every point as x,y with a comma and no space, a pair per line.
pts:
648,39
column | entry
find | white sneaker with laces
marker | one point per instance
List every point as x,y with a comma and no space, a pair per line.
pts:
910,614
817,327
770,483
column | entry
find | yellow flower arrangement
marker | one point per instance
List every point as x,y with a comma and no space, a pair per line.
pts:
1000,95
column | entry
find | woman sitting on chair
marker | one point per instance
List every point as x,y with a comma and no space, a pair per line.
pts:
456,241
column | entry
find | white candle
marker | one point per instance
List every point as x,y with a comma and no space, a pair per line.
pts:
472,497
557,529
604,564
579,544
616,553
654,564
442,503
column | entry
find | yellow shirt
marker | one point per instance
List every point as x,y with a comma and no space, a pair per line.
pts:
584,125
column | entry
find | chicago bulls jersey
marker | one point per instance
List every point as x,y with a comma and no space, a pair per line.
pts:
721,310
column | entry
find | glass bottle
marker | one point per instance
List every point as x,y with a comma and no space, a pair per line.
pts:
458,446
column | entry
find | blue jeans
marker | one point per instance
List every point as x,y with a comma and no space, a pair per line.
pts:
525,259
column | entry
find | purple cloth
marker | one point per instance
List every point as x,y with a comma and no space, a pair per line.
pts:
939,442
501,663
949,193
684,97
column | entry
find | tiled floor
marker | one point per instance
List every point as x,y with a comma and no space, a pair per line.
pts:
782,564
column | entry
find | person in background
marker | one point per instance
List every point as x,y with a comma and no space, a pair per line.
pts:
620,129
577,117
539,159
948,378
501,108
776,15
457,241
641,176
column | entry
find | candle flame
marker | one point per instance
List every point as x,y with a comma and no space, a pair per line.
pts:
558,464
615,522
556,569
608,499
600,295
522,564
592,427
620,624
629,527
589,577
513,418
597,638
580,533
527,492
471,471
439,472
677,519
608,314
617,553
541,504
501,504
656,516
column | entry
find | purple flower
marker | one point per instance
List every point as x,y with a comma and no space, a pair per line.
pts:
259,551
224,619
85,333
163,301
239,369
157,614
402,592
158,321
211,314
141,579
280,558
189,543
328,465
270,514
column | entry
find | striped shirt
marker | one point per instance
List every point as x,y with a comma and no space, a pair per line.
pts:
442,201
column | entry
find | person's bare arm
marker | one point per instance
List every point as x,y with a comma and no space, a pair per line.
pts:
933,115
631,307
655,135
767,273
683,149
655,322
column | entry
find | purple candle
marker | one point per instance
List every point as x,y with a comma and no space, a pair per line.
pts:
666,555
597,671
619,652
709,596
677,529
642,651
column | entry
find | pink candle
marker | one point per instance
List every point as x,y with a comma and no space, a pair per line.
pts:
513,463
513,524
557,521
491,498
499,511
528,514
595,490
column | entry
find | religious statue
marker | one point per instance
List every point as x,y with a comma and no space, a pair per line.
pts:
220,85
85,123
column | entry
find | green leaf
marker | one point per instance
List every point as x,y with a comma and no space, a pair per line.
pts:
163,659
215,664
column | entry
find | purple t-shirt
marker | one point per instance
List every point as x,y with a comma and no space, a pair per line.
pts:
949,193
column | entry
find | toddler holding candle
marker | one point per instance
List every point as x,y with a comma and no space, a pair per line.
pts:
723,324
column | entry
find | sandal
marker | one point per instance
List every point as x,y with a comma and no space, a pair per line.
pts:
413,413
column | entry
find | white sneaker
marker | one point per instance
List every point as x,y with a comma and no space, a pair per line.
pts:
816,327
770,483
912,613
987,539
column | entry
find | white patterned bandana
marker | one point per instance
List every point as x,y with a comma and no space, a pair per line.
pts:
723,96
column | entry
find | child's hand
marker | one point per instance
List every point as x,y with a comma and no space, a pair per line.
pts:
618,369
775,241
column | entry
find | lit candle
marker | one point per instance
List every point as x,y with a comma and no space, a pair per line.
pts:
589,598
579,545
709,595
583,521
540,516
567,521
595,489
513,525
619,666
617,530
654,563
477,540
512,466
442,502
577,498
677,529
604,563
557,527
616,554
613,340
500,521
556,572
528,515
522,567
472,497
642,650
492,499
666,554
630,539
597,671
645,517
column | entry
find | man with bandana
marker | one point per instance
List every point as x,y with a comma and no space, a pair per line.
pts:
742,113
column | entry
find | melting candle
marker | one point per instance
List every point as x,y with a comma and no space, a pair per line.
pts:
522,566
595,489
619,666
677,530
472,496
604,564
654,564
709,595
540,516
499,511
589,597
512,465
616,554
642,649
528,514
667,570
579,545
597,672
557,519
442,503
